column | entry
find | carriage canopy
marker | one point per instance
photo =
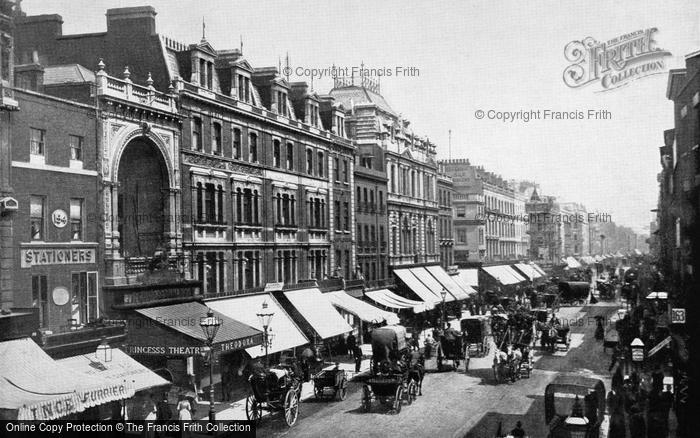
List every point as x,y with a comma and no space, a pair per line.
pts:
388,341
590,391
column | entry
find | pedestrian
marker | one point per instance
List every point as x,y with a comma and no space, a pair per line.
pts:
184,413
658,407
518,431
152,416
638,427
616,410
350,343
357,352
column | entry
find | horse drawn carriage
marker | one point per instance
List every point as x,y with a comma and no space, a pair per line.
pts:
396,373
574,292
331,384
275,390
554,335
476,330
578,397
451,347
606,289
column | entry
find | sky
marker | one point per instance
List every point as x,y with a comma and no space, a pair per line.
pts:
460,57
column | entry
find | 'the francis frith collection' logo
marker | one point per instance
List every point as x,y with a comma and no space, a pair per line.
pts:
616,62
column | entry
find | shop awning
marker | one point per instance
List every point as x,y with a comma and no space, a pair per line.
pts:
528,271
363,310
40,388
121,367
184,318
433,284
387,298
572,263
518,277
470,276
503,274
285,332
538,269
318,311
417,286
460,291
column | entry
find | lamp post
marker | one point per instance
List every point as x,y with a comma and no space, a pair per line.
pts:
210,326
265,317
443,294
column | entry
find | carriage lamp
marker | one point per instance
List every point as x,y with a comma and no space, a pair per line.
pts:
210,326
637,347
576,424
103,353
265,317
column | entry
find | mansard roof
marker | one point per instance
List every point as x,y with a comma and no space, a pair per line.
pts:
356,94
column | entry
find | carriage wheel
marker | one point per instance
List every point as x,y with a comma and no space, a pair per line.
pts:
366,398
291,407
412,392
253,409
342,391
397,399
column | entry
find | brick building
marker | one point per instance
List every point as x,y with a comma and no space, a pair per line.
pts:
445,195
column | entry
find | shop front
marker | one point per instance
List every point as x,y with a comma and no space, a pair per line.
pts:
170,341
38,388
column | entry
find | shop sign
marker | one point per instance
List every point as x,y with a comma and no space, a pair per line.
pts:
59,218
56,256
678,316
75,402
60,296
144,296
239,344
163,350
273,287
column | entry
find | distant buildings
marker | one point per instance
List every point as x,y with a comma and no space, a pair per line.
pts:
490,221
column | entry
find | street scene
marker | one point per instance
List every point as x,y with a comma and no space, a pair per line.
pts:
351,219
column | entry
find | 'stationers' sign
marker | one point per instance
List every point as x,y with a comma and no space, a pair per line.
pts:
56,256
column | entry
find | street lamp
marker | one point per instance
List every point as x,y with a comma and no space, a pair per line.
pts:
443,294
210,326
103,353
265,317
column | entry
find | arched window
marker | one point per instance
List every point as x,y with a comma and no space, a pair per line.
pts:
276,154
320,164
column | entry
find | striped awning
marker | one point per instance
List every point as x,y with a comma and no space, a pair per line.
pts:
389,299
363,310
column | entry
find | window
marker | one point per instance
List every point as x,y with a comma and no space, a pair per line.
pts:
393,178
247,270
461,236
84,300
236,143
309,162
282,103
216,138
247,201
347,264
346,167
320,164
209,206
336,207
37,141
346,209
461,211
197,134
359,235
336,169
290,156
76,147
36,217
76,219
40,299
381,201
243,88
276,154
253,147
287,266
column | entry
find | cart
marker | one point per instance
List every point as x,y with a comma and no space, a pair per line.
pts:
574,292
571,394
392,381
331,384
451,348
274,390
477,330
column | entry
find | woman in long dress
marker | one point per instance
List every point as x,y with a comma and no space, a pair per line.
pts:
184,413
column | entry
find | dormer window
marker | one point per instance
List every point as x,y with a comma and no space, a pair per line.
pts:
206,73
312,113
282,103
340,126
243,88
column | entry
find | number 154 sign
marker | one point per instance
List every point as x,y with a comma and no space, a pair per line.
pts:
677,316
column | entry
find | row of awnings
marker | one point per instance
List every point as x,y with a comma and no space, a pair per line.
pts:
513,274
429,282
36,387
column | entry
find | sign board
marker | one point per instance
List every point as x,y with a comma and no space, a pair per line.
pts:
637,354
193,350
274,287
56,256
60,296
59,218
678,316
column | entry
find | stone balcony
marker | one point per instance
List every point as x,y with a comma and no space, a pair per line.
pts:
124,89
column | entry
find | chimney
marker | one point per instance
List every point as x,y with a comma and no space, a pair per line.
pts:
132,21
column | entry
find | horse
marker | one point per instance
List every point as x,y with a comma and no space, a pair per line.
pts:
502,366
416,369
